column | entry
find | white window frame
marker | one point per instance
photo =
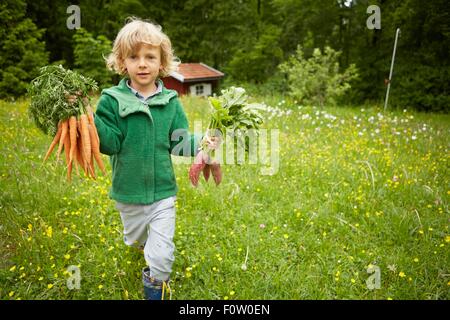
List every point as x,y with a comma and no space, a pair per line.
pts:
206,89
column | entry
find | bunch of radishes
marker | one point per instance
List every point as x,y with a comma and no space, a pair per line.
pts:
231,112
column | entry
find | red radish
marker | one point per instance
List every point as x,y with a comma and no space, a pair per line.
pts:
206,171
197,168
230,110
216,172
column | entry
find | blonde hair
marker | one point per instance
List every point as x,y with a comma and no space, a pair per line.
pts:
135,33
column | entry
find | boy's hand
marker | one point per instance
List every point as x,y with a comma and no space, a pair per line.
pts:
208,144
213,142
71,98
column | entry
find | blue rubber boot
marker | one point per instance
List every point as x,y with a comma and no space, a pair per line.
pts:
153,289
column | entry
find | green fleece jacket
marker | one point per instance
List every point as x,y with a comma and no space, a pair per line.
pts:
140,138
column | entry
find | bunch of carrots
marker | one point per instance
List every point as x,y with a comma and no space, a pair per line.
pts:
80,141
60,108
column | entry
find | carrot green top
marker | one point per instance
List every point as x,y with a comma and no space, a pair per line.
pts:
139,137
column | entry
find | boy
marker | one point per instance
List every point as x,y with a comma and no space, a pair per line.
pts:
140,123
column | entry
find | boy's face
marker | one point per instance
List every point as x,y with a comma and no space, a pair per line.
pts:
143,67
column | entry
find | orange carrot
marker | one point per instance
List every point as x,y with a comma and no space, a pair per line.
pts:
92,123
54,142
85,137
73,136
67,153
90,115
76,156
91,167
96,148
80,146
64,129
95,141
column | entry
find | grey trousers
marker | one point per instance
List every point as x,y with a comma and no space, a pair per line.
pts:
152,227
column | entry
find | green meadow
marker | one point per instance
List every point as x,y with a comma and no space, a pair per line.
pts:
357,209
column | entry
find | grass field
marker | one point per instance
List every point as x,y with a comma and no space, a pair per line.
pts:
356,189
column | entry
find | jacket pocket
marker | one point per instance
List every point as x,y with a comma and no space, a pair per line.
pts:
127,179
165,176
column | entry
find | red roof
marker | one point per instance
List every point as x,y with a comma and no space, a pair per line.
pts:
196,71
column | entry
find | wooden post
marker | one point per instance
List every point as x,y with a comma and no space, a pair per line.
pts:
392,67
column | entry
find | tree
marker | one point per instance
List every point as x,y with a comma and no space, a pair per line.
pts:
257,62
317,80
247,39
51,16
22,52
89,55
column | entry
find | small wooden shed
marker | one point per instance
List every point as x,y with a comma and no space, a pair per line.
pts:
196,79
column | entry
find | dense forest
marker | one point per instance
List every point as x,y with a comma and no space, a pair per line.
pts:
246,39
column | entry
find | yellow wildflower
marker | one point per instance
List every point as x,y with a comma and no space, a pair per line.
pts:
49,232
